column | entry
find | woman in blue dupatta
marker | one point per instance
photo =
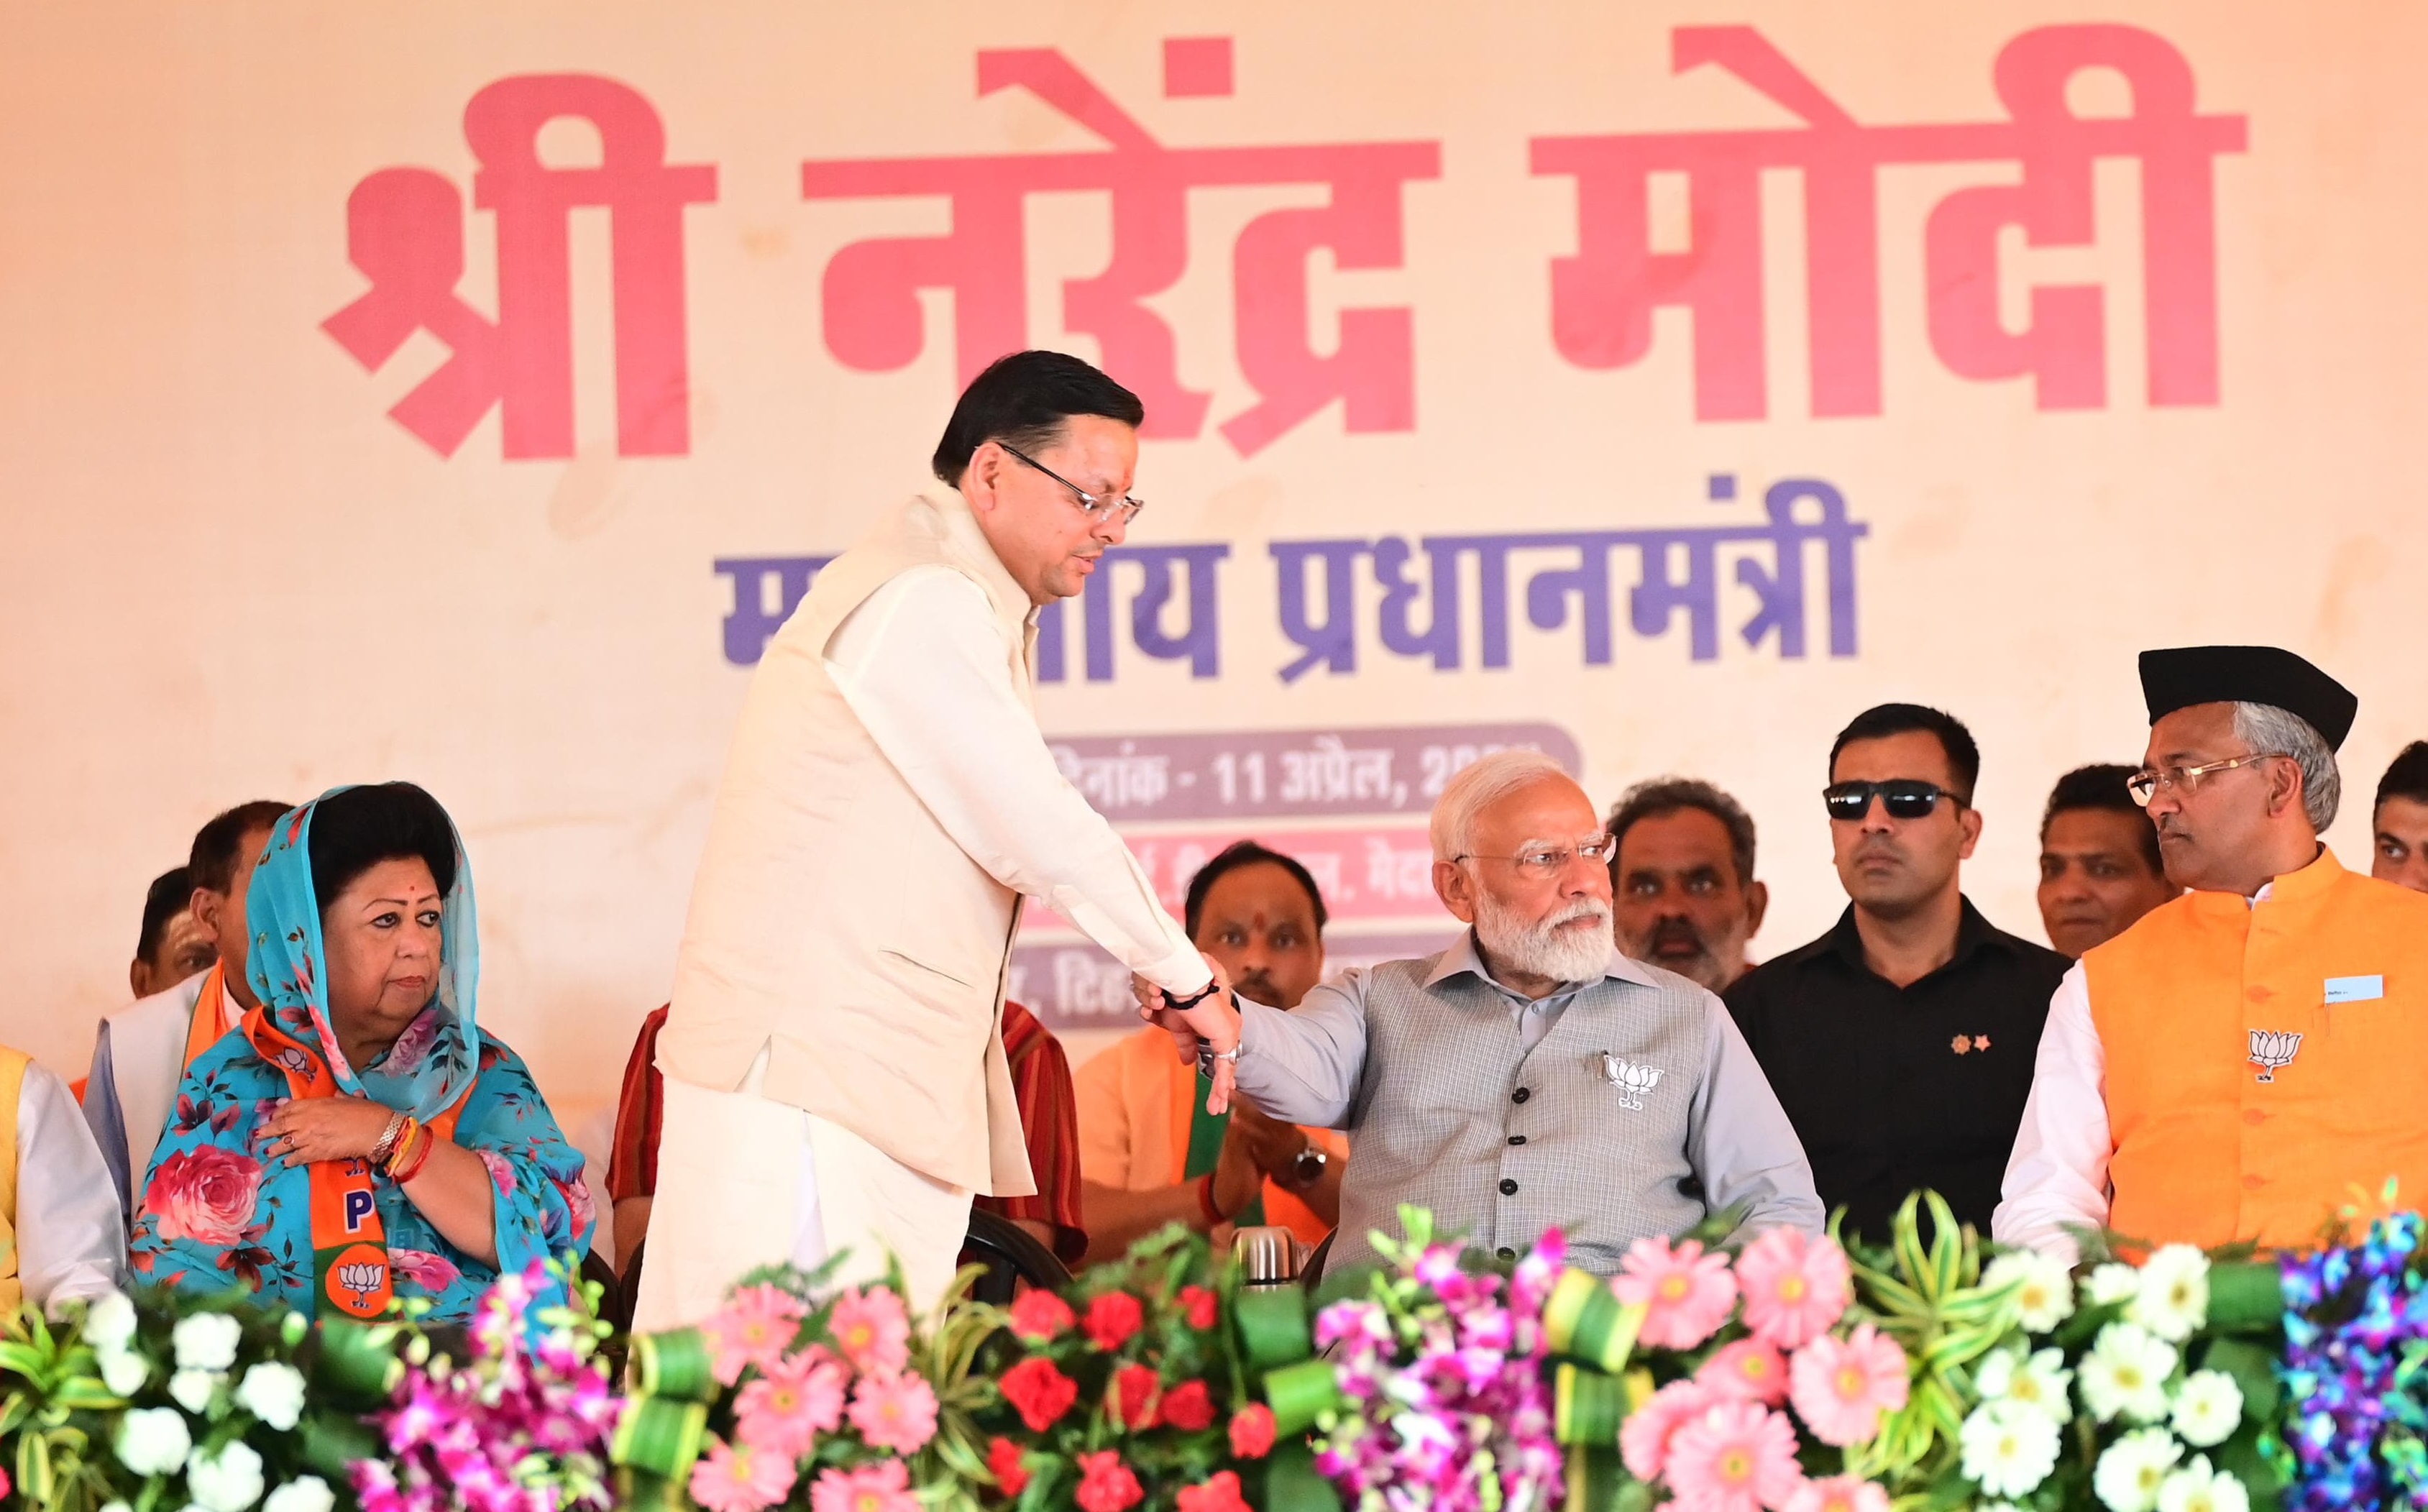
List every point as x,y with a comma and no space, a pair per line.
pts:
357,1138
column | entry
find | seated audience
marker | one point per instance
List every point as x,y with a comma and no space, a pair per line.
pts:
1041,1084
1681,880
61,1235
1529,1077
1149,1152
142,1050
2100,868
172,946
360,1138
1901,1041
2399,823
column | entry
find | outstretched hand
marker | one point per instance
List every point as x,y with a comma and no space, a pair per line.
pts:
1212,1023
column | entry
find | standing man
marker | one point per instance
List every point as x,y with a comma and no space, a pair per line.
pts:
1681,880
2240,1062
142,1050
1529,1077
1901,1041
2399,821
2100,868
835,1072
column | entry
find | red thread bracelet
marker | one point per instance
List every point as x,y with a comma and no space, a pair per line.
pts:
1206,1200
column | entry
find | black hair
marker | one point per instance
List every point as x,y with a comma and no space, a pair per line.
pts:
2101,785
170,893
2407,777
1026,400
357,829
1885,719
211,865
1247,853
1664,796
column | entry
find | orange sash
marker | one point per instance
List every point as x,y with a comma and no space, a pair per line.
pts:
208,1021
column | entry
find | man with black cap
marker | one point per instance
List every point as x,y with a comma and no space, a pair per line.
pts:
2240,1060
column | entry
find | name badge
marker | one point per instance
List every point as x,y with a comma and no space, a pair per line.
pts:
2355,989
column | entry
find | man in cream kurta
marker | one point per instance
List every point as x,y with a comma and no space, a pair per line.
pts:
833,1055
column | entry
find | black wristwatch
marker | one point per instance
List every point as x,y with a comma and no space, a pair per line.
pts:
1308,1168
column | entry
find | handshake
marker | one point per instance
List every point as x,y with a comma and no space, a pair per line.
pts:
1204,1029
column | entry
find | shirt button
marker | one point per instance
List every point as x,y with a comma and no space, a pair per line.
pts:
1520,1095
2258,994
1508,1188
2249,1183
1517,1139
2254,1115
1504,1251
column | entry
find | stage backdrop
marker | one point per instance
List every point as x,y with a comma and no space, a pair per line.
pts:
464,393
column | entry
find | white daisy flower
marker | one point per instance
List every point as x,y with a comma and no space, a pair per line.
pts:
2125,1375
2209,1408
2008,1448
2112,1282
2134,1468
2038,1381
2197,1488
2045,1295
2173,1299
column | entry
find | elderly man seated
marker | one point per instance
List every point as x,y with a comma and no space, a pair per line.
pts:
1529,1077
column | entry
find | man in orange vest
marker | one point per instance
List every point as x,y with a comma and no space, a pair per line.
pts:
2243,1060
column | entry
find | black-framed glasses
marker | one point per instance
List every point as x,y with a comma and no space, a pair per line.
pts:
2147,784
1905,797
1090,505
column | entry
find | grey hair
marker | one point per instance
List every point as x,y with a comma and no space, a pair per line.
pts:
2271,730
1476,788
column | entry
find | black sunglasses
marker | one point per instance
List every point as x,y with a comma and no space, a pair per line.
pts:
1905,797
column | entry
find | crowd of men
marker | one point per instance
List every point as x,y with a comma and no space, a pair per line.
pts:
838,1071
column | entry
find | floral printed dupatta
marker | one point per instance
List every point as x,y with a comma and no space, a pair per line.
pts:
428,1073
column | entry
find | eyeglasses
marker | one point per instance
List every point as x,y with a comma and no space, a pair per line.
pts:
1905,797
2147,785
1542,863
1088,503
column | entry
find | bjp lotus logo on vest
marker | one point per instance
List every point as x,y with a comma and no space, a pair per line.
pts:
2272,1048
1631,1080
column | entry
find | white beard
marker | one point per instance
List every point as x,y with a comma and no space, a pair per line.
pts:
1545,949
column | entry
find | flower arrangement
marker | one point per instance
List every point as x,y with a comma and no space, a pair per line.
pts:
2355,1369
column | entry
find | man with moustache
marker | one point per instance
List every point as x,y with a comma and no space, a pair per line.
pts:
1529,1077
2100,868
1900,1043
2245,1059
1681,880
2399,821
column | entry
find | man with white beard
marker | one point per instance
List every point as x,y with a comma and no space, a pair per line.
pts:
1529,1077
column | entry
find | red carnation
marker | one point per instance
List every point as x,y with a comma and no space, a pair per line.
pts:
1134,1388
1252,1431
1040,1392
1187,1408
1106,1484
1003,1463
1112,1319
1040,1315
1200,1302
1220,1493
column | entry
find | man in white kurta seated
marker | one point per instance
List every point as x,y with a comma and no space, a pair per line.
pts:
61,1235
142,1050
835,1075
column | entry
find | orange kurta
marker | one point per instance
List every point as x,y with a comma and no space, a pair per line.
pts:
2212,1147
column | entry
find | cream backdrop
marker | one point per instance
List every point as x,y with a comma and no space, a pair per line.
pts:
233,574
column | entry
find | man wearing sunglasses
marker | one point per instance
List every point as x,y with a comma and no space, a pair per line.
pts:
834,1062
1901,1041
2248,1056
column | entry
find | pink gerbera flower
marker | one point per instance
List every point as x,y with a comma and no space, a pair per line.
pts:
884,1486
896,1412
731,1479
1839,1493
1794,1286
872,1330
1842,1385
1732,1458
1746,1371
754,1327
792,1401
1685,1292
1643,1437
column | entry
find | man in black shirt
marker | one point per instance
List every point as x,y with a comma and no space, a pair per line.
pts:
1901,1042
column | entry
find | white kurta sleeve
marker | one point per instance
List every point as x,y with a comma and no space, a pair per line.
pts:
921,663
71,1238
2058,1175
